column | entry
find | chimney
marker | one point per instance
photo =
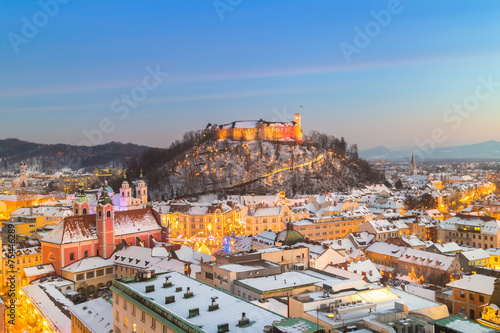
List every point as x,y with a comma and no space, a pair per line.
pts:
244,320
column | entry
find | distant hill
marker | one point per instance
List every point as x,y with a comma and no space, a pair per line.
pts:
489,150
49,158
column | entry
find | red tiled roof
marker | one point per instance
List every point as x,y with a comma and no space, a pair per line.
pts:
83,227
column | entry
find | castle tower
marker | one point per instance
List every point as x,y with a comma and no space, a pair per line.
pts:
298,121
81,204
142,190
22,175
413,165
296,118
105,218
125,193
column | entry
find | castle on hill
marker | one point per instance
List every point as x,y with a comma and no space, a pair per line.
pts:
258,130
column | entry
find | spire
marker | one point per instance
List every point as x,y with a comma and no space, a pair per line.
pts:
413,164
141,178
125,178
105,199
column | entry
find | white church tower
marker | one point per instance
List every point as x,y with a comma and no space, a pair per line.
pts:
125,193
142,190
22,175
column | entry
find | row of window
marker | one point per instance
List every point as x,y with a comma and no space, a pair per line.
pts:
23,260
98,273
133,313
473,236
193,219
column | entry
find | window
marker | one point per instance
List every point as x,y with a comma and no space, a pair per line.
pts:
117,300
80,277
124,304
117,316
85,254
143,317
109,270
108,213
481,298
72,256
133,310
471,296
90,275
100,272
125,321
462,310
153,323
462,294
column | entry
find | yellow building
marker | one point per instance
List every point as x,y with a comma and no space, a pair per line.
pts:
328,228
494,260
267,218
21,255
187,220
23,227
69,183
90,274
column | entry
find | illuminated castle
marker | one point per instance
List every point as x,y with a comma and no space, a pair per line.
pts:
258,130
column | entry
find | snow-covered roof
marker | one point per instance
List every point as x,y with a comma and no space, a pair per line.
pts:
266,211
284,280
382,226
476,282
427,259
86,264
458,324
391,250
493,252
475,254
96,315
36,270
52,305
448,247
412,240
185,253
230,307
488,225
366,268
81,228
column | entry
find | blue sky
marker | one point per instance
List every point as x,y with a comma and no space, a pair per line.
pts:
234,60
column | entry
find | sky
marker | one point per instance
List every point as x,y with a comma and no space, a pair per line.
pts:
392,73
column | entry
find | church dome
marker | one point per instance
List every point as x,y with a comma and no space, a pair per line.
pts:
289,236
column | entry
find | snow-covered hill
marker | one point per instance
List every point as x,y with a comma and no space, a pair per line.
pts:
256,167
